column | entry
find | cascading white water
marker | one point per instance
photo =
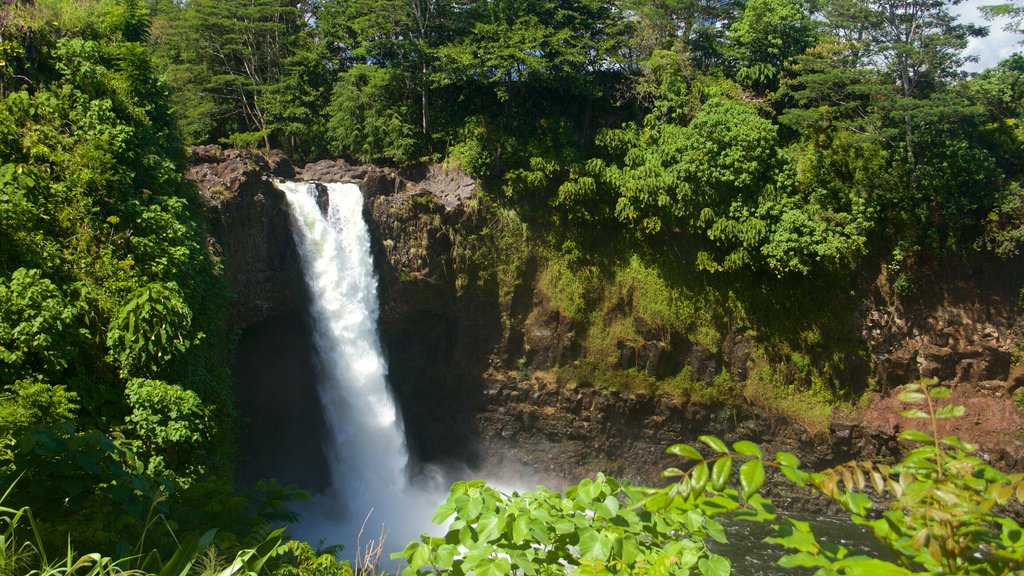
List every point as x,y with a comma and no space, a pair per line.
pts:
367,447
366,450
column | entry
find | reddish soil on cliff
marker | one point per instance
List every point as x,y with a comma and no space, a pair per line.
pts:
991,420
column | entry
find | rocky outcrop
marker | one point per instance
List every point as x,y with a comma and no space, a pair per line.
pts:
565,432
961,327
248,221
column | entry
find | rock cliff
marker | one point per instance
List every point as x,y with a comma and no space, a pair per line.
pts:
475,365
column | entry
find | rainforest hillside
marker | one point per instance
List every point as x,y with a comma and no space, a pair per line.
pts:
666,180
668,175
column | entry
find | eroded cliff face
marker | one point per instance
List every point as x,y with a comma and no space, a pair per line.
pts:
248,220
475,364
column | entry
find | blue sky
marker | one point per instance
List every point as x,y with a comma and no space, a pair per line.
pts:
997,46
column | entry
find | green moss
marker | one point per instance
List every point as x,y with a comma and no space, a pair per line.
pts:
589,373
570,288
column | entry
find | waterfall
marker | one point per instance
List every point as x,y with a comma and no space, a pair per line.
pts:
366,449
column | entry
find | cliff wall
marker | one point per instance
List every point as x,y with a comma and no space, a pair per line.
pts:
490,366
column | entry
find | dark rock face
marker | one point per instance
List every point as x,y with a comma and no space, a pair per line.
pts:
962,327
567,433
274,368
248,219
549,337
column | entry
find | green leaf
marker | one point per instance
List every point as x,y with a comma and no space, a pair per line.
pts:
715,531
446,509
910,397
564,526
914,436
747,448
607,509
591,568
857,503
915,413
714,565
721,472
954,411
497,567
956,442
801,560
587,491
751,477
446,555
488,527
594,545
787,459
684,451
521,528
940,393
699,477
714,443
183,558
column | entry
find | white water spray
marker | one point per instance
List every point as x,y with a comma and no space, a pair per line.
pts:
366,449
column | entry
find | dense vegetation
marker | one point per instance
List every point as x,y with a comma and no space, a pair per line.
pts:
697,165
944,514
765,136
116,415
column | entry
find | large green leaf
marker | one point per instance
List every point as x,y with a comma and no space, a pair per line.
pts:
720,472
594,545
714,443
685,451
751,477
714,565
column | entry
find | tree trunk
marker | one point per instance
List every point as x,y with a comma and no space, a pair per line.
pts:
426,101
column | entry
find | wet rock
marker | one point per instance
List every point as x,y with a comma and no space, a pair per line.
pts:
703,364
280,165
332,171
897,368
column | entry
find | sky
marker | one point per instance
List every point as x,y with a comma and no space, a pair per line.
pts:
997,46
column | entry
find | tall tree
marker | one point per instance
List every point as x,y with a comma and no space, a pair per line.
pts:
768,34
692,27
233,58
919,43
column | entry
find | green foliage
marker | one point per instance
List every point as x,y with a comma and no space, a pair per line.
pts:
366,122
767,34
243,72
1004,226
105,278
722,181
152,327
945,512
24,551
37,328
28,403
300,559
944,518
599,526
170,423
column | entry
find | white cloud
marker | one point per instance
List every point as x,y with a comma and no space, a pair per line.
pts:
997,46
